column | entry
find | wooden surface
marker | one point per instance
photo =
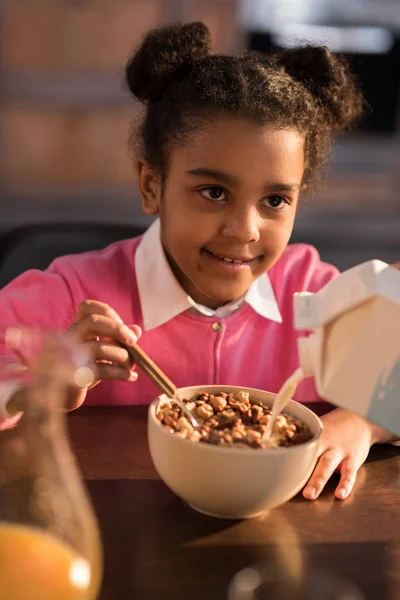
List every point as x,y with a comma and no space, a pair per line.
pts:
156,547
64,112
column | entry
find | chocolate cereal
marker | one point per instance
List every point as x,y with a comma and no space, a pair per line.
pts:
232,421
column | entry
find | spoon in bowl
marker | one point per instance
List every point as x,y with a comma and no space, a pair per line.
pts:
159,378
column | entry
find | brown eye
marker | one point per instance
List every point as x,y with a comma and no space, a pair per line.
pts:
213,193
275,202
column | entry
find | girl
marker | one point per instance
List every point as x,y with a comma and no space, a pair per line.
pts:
226,147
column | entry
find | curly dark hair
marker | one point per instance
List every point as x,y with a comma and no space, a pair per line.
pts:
182,84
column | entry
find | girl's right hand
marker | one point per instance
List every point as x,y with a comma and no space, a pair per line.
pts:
102,330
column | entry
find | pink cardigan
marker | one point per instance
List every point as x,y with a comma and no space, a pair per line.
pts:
248,350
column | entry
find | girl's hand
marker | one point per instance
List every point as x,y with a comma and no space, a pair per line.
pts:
345,444
102,330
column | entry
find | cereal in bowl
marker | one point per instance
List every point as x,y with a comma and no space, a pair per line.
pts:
231,420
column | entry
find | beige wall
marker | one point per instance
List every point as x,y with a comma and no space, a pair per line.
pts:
65,117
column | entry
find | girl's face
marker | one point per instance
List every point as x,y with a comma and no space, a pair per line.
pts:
227,206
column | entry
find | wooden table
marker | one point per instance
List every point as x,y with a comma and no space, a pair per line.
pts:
157,548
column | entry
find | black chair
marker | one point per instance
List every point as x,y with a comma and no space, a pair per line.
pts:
35,246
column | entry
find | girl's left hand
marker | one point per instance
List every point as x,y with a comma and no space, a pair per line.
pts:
345,444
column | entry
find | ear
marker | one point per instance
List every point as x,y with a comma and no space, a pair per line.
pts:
150,187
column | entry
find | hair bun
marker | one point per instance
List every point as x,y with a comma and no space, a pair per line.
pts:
328,78
162,55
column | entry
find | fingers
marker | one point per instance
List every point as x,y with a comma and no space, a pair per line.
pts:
76,398
105,351
95,319
348,475
326,466
112,362
94,326
114,372
136,330
103,331
88,307
103,371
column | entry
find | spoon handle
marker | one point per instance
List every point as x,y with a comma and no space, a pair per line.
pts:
153,372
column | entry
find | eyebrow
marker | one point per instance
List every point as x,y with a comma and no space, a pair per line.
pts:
283,187
227,178
214,174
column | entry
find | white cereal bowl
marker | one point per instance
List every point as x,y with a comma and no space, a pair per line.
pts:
233,483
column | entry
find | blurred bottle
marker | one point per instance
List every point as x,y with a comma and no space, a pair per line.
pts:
50,546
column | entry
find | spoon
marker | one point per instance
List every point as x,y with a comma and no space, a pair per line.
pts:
285,394
196,423
159,378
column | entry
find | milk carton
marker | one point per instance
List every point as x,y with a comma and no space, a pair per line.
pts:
353,350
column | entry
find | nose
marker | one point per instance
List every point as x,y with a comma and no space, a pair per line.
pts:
242,225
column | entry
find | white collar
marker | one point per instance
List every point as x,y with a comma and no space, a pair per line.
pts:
161,296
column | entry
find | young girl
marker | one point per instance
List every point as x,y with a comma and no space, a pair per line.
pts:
226,148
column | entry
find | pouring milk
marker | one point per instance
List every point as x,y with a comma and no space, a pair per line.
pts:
353,346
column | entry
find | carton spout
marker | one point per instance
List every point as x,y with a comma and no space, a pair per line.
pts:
348,291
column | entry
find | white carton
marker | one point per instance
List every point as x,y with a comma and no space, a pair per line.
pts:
353,351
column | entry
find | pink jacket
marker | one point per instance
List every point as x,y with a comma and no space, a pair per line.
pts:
246,350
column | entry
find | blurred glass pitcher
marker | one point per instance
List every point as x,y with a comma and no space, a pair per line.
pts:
50,546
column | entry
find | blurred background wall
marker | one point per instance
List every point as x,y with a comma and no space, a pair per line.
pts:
65,115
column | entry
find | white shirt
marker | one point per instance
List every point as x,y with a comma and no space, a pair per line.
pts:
156,280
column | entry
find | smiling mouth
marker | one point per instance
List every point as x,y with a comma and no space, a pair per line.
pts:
235,261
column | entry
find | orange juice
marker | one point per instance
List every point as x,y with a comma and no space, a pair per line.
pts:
34,565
